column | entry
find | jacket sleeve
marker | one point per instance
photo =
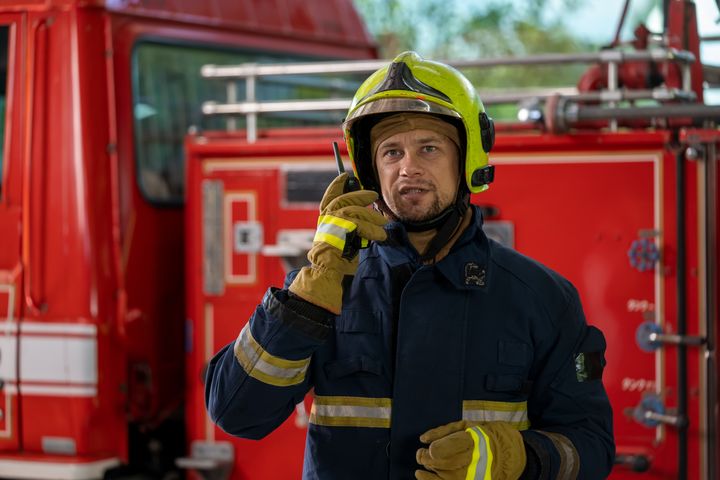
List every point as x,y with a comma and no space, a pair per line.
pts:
571,419
253,384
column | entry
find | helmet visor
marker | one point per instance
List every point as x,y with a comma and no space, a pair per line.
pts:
388,105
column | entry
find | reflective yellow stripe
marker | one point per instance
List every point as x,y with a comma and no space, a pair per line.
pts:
333,230
354,401
351,412
514,413
336,242
480,467
340,222
331,421
472,468
263,366
569,458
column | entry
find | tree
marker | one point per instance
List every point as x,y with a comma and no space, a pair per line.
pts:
437,27
454,29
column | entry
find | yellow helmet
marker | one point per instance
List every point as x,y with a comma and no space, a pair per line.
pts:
412,84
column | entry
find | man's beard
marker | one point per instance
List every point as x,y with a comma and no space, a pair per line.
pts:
434,211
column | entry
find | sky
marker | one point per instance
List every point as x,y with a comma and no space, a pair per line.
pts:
596,21
585,23
708,17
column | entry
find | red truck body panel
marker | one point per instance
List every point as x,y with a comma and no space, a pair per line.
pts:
92,311
575,202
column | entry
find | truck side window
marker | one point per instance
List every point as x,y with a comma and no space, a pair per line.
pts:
4,44
305,186
168,93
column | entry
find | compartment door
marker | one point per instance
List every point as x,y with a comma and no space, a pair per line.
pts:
605,220
257,223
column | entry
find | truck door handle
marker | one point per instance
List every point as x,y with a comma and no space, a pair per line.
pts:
290,243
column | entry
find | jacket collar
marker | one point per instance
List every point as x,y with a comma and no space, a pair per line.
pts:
466,266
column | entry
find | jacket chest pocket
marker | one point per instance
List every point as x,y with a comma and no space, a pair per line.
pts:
359,344
358,321
509,379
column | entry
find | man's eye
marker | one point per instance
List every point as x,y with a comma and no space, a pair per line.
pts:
429,148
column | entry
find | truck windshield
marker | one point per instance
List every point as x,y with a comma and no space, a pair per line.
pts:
168,93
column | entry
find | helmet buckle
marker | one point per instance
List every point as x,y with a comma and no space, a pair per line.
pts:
483,176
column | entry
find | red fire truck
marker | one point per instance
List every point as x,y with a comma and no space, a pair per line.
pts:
96,99
120,275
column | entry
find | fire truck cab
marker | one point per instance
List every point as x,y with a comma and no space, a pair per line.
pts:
95,99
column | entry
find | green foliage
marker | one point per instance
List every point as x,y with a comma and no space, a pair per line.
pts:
465,29
455,29
525,38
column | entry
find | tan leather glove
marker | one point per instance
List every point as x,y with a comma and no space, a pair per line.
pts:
345,224
469,450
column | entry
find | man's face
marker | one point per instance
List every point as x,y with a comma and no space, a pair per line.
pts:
419,174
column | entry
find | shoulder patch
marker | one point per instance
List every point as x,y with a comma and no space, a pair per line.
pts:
589,366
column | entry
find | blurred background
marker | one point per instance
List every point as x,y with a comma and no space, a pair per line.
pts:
155,179
466,29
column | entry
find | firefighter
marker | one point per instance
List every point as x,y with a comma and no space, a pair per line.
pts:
435,352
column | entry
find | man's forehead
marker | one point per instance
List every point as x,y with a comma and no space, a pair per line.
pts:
415,136
407,122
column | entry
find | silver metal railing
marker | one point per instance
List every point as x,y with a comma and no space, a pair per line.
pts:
250,107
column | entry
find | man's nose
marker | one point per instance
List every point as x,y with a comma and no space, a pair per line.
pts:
409,165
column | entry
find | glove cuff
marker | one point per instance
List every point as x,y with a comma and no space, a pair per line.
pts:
321,287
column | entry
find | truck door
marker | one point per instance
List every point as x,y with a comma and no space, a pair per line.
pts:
604,218
11,177
251,219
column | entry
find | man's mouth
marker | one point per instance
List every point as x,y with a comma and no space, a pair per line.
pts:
413,190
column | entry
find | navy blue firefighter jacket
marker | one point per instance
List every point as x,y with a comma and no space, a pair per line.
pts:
485,334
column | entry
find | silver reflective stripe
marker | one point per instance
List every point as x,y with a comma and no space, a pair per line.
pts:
267,368
483,453
333,230
569,458
514,413
348,411
351,412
